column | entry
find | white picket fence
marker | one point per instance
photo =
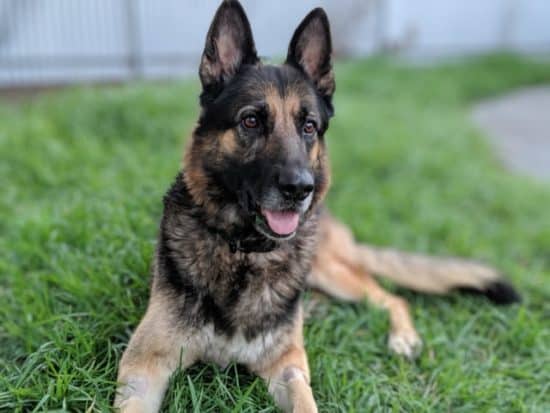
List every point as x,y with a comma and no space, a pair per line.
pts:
58,41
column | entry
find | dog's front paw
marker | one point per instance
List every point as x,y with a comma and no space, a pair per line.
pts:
405,343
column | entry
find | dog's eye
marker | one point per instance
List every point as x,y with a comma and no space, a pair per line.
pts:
250,122
309,127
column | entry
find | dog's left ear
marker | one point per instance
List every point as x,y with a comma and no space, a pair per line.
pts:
310,51
229,45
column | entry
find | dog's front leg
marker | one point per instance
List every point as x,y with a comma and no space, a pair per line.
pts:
155,350
288,382
287,377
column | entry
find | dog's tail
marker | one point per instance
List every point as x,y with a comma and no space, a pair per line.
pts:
437,275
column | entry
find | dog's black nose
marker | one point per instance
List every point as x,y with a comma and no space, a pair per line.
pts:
295,183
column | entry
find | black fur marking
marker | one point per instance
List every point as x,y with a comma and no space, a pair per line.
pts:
241,283
168,266
216,314
177,195
499,292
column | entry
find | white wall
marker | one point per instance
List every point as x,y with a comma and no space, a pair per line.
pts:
435,27
44,41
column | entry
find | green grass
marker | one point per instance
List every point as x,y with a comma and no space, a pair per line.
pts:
82,176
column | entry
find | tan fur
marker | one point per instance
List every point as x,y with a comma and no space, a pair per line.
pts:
284,108
314,154
154,352
322,161
227,142
422,273
195,178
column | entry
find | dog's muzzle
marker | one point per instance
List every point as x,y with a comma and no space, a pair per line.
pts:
284,204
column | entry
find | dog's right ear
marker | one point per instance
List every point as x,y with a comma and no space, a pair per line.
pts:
229,45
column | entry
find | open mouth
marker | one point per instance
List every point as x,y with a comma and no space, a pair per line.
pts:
278,224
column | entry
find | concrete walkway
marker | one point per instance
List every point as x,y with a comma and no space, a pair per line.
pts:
518,124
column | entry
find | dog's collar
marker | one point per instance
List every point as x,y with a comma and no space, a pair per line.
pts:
245,241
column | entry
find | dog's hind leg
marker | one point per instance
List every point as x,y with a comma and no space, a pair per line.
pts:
155,350
339,280
335,272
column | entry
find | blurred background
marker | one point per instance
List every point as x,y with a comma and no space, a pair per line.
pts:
65,41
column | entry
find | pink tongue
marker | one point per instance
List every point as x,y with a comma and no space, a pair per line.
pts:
282,222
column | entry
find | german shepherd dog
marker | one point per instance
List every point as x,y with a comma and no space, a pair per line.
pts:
244,232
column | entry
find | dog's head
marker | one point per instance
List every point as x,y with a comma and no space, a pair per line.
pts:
258,153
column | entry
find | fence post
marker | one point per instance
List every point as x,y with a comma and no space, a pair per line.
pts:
508,23
381,23
133,35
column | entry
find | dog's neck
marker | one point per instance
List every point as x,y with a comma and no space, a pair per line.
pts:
245,241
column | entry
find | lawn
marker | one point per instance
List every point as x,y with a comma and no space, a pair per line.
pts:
83,173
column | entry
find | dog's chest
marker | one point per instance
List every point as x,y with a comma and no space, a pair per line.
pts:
247,295
222,350
259,311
